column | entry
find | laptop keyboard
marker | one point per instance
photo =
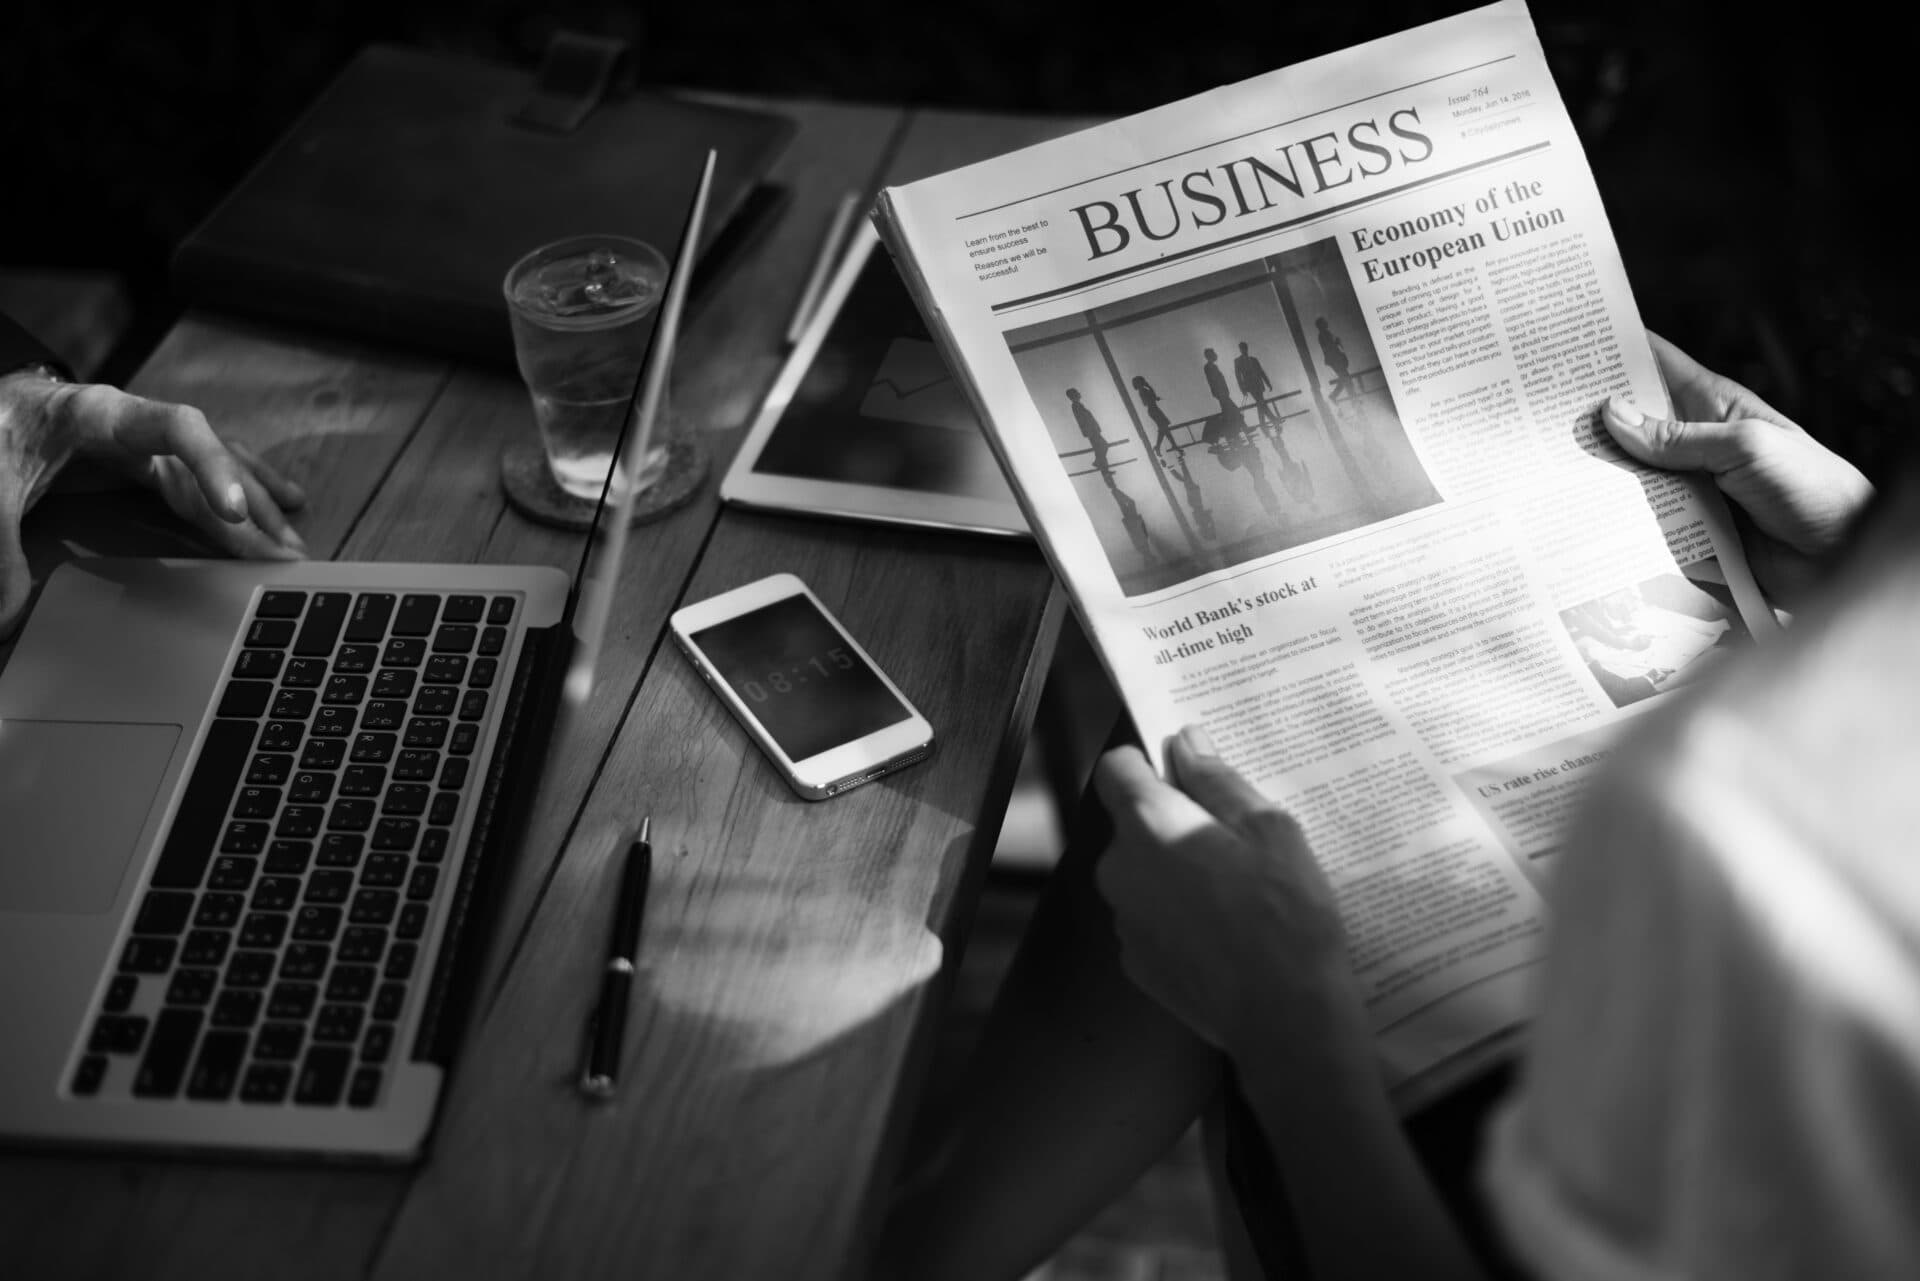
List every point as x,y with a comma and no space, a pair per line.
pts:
272,956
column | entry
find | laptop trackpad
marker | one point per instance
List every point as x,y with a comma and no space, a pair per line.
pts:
75,797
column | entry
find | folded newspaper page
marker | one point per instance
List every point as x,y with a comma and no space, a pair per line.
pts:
1298,384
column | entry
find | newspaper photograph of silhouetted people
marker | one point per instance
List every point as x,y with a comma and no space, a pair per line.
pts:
1223,419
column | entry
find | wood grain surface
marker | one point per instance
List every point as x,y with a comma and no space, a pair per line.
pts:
794,951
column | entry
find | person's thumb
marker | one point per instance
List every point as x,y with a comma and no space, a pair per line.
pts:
16,579
1675,445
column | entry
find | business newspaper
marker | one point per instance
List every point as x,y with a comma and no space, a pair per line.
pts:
1298,383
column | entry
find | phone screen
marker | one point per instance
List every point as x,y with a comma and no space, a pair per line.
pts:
798,676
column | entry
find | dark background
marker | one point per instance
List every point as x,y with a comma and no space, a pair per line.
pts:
1749,165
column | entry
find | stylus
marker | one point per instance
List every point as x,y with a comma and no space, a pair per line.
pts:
606,1034
823,259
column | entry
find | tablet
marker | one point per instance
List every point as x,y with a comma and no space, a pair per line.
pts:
865,422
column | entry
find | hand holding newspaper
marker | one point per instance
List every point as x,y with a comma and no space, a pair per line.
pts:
1298,384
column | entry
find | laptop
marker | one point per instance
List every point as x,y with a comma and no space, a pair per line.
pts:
250,815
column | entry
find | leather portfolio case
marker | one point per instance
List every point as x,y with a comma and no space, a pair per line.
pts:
393,208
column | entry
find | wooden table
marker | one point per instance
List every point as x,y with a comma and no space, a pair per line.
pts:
795,953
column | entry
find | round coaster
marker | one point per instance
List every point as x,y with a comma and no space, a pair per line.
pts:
532,490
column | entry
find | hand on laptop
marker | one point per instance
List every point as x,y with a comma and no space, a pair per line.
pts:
232,496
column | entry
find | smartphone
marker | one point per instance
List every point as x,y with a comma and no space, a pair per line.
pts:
822,711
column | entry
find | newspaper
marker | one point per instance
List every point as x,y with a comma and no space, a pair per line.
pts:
1298,384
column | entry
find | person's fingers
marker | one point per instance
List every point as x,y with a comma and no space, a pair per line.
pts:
1140,804
134,427
1717,447
285,491
1701,395
183,493
264,511
1201,774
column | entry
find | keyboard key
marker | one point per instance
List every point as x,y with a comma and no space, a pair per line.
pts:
436,701
473,705
314,924
192,987
270,768
243,838
388,1000
334,722
305,961
258,664
207,947
425,731
364,1092
281,736
265,928
217,1070
147,956
274,633
310,787
396,834
397,685
416,616
265,1083
346,690
323,1075
281,604
363,780
412,923
454,773
455,638
500,610
424,881
336,1023
446,807
293,704
163,912
203,808
384,871
350,983
329,886
297,822
444,669
433,845
293,1000
324,753
373,907
464,609
167,1052
409,800
371,610
121,990
321,629
236,1008
231,872
350,814
356,658
338,849
416,764
383,714
257,802
373,749
481,675
219,911
304,673
245,698
466,735
362,944
492,641
117,1034
402,652
251,969
378,1043
401,958
89,1075
276,893
279,1042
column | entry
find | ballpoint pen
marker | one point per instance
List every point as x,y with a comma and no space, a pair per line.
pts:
607,1031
